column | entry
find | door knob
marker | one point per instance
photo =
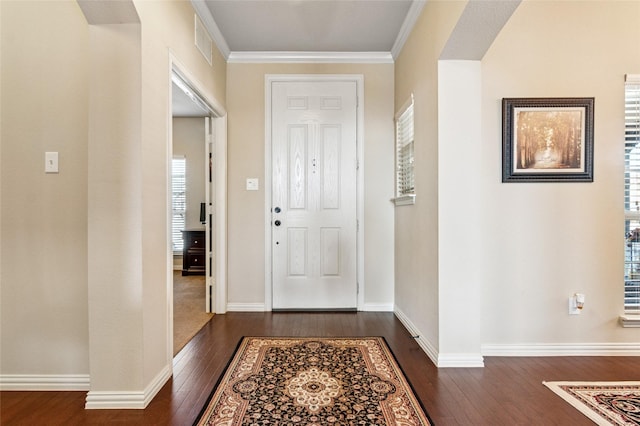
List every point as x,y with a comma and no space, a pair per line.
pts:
277,223
277,210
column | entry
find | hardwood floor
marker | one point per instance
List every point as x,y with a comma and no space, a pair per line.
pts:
508,391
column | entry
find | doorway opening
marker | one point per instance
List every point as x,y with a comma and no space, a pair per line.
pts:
197,284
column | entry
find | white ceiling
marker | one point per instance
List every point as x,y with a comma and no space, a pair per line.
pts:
337,30
306,28
309,25
319,27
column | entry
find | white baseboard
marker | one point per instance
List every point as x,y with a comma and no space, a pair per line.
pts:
128,400
441,360
426,346
377,307
562,349
48,382
260,307
462,360
245,307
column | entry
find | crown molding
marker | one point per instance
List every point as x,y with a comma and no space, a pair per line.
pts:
407,26
311,57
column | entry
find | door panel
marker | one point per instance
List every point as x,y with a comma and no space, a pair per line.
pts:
314,225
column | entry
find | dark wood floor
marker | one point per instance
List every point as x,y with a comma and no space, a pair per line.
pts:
508,391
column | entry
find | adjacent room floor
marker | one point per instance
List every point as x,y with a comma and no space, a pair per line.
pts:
189,311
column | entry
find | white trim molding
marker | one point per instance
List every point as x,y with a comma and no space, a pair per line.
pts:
440,360
632,78
465,360
562,349
310,57
404,200
424,344
630,320
246,307
127,399
45,382
377,307
407,26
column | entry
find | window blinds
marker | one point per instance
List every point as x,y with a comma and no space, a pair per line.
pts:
632,193
405,180
179,201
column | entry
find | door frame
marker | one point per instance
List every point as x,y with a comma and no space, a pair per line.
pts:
219,123
319,78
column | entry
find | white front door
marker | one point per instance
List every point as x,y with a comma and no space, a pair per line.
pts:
313,210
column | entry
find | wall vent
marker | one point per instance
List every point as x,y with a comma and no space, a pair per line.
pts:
203,41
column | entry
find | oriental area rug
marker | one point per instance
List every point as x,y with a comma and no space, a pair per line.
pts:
313,381
605,403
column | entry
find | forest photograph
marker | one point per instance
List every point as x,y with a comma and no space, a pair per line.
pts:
547,139
550,138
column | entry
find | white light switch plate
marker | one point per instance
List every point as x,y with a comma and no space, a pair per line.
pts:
51,162
253,184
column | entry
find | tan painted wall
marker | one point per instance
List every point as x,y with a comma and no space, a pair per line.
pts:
167,28
544,242
246,109
46,219
43,275
416,226
189,141
535,244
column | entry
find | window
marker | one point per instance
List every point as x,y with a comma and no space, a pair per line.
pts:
632,194
178,201
405,173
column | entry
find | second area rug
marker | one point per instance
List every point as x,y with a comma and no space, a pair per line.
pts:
313,381
606,403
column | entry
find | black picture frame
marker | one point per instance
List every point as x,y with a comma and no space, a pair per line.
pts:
547,139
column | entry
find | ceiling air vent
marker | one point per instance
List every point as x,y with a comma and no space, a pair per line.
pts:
203,41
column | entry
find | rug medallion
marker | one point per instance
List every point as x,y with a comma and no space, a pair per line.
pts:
606,403
313,381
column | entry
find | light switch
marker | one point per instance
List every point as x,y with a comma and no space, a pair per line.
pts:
51,162
253,184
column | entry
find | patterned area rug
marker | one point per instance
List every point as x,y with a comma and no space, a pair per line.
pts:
313,381
606,403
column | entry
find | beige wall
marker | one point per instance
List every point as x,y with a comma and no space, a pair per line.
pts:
530,246
245,93
167,31
416,226
66,270
43,269
189,141
544,242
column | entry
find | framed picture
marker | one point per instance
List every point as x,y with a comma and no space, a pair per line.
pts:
547,139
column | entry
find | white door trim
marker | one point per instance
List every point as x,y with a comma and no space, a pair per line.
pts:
219,123
359,80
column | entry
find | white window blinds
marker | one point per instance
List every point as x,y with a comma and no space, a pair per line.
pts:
632,193
405,174
178,201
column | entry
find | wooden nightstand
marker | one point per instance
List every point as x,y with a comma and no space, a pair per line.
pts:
193,253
